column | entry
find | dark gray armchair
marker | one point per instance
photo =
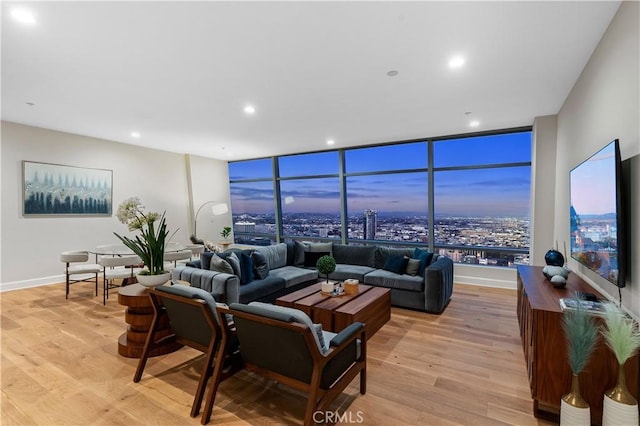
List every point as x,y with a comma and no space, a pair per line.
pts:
281,344
195,322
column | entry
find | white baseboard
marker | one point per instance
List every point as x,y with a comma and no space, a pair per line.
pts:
37,282
485,276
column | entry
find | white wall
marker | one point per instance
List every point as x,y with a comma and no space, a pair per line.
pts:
30,247
210,182
543,182
605,105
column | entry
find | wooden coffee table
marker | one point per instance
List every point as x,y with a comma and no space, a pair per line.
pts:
371,306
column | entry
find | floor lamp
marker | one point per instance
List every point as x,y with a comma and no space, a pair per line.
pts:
217,210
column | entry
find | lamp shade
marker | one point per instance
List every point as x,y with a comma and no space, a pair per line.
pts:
217,209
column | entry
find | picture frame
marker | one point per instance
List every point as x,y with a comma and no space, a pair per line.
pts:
61,190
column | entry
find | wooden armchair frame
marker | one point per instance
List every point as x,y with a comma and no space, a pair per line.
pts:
319,397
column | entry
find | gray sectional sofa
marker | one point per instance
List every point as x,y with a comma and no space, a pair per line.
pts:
282,268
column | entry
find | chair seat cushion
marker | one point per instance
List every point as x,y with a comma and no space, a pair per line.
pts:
86,268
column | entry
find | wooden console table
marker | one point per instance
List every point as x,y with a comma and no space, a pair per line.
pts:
545,348
138,315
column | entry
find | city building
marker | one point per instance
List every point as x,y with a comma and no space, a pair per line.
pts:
370,224
248,227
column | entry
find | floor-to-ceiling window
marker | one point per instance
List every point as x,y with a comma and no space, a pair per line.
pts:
310,195
481,198
387,193
466,197
252,201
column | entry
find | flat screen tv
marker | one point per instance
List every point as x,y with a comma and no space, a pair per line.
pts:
597,214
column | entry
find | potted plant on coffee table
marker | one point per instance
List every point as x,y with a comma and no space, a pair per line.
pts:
150,244
326,265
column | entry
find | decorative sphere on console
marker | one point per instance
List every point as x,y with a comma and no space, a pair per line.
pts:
554,258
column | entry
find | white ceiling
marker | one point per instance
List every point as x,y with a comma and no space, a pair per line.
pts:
180,73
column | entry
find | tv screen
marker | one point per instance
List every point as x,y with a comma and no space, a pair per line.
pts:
596,214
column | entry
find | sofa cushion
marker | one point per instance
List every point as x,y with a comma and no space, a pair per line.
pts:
383,253
260,265
425,258
276,255
344,272
413,267
218,264
294,275
355,255
311,257
257,289
205,260
234,261
301,248
246,268
382,278
396,264
291,252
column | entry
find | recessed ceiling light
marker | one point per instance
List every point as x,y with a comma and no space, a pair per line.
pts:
474,123
249,109
392,73
456,62
135,135
23,15
330,141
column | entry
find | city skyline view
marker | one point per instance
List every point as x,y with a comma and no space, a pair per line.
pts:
481,192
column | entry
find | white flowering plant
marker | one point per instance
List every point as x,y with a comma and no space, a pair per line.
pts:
150,244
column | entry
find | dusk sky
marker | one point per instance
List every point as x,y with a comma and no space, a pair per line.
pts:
593,184
477,192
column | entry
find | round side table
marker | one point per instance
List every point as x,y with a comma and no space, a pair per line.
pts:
138,316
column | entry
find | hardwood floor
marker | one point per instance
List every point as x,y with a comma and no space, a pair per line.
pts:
60,366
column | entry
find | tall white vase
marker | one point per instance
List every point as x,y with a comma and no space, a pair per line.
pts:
574,416
574,410
619,407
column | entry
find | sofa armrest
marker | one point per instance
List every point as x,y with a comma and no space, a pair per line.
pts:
216,283
438,284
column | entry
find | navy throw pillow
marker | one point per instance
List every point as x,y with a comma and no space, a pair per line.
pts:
205,260
396,264
425,259
260,266
246,268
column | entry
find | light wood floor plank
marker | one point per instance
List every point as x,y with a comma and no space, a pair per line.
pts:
60,366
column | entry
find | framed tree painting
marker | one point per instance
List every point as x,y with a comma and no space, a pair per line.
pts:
58,190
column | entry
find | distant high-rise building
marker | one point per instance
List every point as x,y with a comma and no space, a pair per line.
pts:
245,226
370,224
